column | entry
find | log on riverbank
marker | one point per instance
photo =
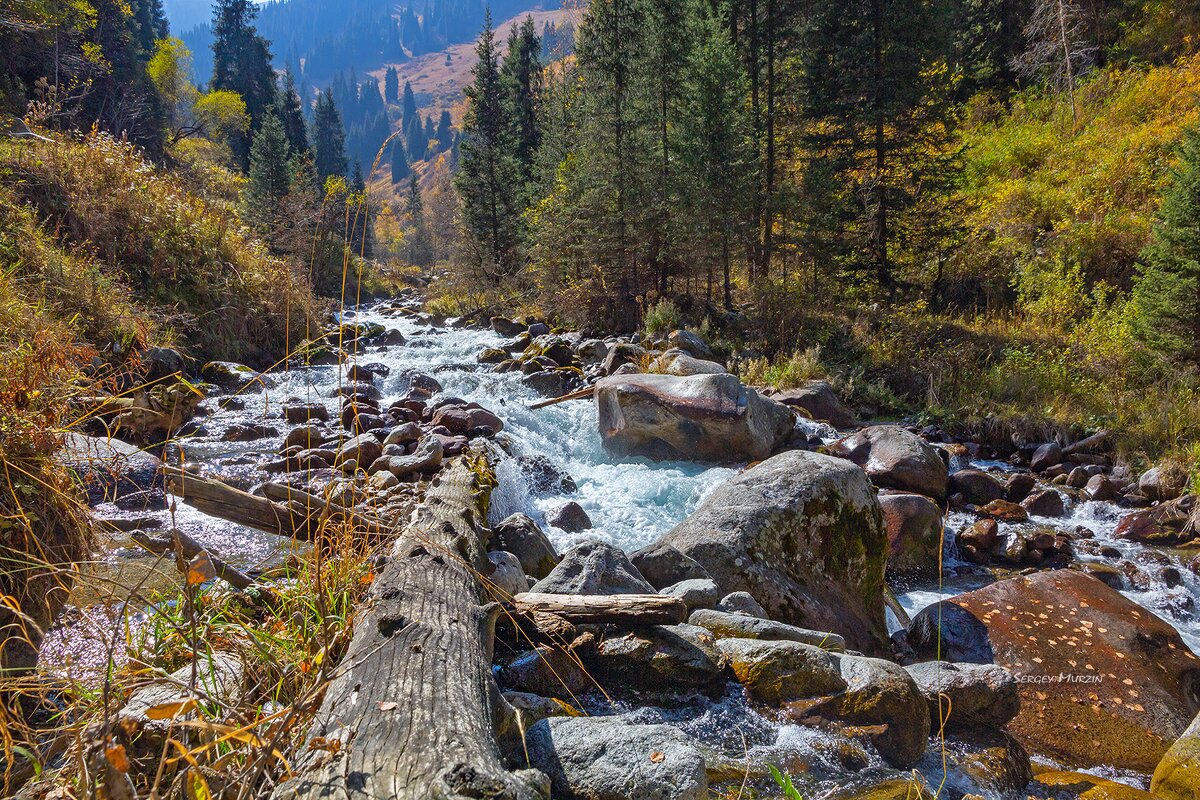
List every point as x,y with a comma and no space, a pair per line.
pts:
617,609
413,705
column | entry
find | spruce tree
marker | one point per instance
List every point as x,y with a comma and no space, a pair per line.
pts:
521,79
414,137
292,115
444,134
242,63
1167,292
329,139
391,86
269,177
408,105
488,172
399,164
417,236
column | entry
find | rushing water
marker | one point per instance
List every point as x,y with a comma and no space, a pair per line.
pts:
631,503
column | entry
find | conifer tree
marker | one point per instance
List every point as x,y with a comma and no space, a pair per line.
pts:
444,134
399,161
414,138
1167,293
488,172
417,235
292,115
329,139
242,63
391,86
269,177
521,79
408,105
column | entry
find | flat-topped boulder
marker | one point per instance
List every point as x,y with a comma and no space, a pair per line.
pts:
698,417
803,534
1102,681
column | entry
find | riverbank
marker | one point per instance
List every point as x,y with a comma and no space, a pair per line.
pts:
555,456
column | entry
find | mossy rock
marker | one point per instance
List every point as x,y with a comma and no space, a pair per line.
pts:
1178,774
1089,787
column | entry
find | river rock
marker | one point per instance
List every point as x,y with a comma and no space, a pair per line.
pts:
296,413
1177,776
660,659
1158,483
1100,488
623,353
726,625
1044,503
248,432
662,565
819,402
404,434
547,670
1101,680
383,481
492,355
506,327
775,672
542,476
976,486
896,459
1168,523
976,696
880,695
914,532
521,536
418,385
232,377
591,351
606,758
507,574
465,419
803,534
1005,511
701,418
741,603
594,567
554,382
994,762
362,449
427,457
1018,486
676,362
569,517
1045,457
163,362
690,343
108,469
695,593
1065,783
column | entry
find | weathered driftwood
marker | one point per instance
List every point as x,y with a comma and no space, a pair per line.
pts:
1086,444
579,394
413,704
300,518
615,609
156,705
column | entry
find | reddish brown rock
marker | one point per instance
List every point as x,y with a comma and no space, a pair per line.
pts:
1005,511
1102,680
914,531
1164,524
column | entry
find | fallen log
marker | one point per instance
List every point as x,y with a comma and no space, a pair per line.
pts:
1087,443
413,706
579,394
300,518
615,609
190,548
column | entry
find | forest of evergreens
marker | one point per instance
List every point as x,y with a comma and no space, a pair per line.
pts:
951,205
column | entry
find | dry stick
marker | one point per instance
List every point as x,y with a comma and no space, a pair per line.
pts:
578,394
191,548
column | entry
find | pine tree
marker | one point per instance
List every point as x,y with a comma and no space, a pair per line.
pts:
362,239
715,148
414,137
521,80
417,234
444,134
399,163
242,63
1167,292
488,172
408,106
391,86
292,115
269,177
329,139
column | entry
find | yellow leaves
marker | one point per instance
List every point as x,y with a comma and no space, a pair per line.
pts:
196,786
171,710
200,569
117,758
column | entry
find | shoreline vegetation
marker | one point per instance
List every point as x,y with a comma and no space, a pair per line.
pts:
953,213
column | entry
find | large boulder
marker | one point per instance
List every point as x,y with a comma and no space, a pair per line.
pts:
914,532
108,469
1102,681
881,695
607,758
803,534
677,362
819,401
1177,776
521,536
594,568
976,486
700,417
1168,523
896,459
971,697
1162,483
663,565
659,659
775,672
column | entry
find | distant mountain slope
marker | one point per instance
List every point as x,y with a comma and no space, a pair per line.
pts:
187,14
